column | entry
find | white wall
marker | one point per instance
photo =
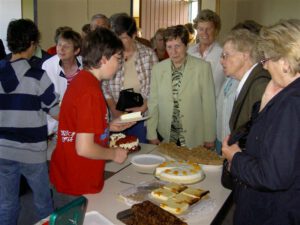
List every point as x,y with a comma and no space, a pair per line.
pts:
9,10
228,11
267,12
209,4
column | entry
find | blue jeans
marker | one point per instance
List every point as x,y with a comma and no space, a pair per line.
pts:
139,130
219,147
37,178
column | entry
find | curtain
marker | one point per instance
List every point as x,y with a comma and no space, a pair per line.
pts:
155,14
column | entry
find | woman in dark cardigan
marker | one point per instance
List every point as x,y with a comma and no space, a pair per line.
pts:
268,170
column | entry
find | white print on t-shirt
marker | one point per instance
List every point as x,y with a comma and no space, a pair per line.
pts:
67,136
106,116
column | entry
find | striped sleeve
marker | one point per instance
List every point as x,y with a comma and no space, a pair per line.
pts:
49,98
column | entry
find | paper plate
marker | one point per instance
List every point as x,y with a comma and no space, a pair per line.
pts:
211,167
148,161
131,120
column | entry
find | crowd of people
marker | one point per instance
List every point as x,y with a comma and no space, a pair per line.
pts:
195,90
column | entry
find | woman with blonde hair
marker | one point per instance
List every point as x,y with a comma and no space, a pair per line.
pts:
208,25
267,172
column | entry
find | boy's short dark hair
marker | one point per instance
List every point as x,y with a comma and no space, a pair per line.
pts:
124,24
178,31
20,34
72,36
98,43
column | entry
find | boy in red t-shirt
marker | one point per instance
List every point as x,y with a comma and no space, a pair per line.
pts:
77,164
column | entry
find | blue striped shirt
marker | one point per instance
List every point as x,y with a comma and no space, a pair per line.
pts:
26,96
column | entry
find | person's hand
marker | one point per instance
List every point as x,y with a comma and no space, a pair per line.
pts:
154,142
120,155
116,113
229,151
116,127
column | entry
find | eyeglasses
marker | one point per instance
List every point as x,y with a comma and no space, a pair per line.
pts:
224,55
120,58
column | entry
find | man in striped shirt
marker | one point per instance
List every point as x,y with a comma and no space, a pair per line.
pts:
26,97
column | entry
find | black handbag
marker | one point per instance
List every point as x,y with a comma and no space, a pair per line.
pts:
226,178
128,99
239,136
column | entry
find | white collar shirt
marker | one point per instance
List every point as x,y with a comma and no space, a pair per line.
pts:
243,81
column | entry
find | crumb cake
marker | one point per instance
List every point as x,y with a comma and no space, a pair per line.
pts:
198,154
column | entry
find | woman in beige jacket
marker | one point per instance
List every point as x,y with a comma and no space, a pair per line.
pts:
182,96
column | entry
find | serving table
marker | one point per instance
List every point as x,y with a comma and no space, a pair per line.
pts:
108,204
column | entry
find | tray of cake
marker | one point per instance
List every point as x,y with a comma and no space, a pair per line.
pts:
208,159
180,200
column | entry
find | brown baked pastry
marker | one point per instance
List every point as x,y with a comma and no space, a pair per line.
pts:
147,213
196,155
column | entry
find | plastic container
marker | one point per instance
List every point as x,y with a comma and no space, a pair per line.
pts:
95,218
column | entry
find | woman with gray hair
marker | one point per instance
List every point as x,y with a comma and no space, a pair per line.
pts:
208,25
99,20
268,170
240,61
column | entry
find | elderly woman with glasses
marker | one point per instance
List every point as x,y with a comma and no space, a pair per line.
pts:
268,170
182,100
240,60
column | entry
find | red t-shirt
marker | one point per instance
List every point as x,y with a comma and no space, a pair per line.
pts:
83,110
52,50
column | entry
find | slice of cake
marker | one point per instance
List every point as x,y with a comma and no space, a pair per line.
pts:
162,194
175,188
193,192
176,198
185,198
131,116
174,206
128,142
